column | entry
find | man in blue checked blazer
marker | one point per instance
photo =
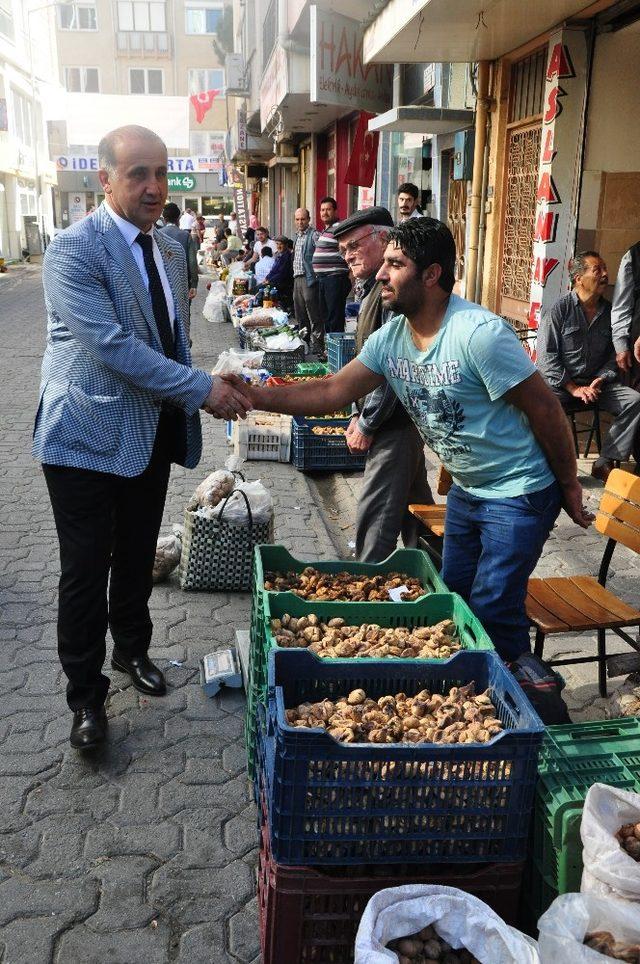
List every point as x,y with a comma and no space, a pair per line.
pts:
119,401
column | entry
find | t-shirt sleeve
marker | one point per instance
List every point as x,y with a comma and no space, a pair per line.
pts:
497,356
372,352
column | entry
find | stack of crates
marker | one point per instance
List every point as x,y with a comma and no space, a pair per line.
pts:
339,822
573,758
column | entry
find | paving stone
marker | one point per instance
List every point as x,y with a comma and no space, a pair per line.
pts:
149,944
244,932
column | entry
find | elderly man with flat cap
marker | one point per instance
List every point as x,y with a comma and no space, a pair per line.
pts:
395,474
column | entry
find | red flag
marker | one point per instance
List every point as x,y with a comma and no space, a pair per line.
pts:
203,103
364,155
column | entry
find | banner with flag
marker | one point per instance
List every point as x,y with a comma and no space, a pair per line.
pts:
202,103
361,169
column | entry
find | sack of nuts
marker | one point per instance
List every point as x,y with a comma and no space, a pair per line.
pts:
424,923
610,832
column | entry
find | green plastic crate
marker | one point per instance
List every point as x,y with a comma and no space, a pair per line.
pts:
312,369
267,558
425,612
573,758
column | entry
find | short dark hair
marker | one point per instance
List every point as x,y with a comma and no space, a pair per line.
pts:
171,212
408,188
329,200
427,241
266,230
228,231
266,250
578,264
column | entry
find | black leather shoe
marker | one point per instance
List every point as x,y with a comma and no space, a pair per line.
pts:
146,677
89,728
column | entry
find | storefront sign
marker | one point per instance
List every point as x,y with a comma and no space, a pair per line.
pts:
558,180
241,205
337,73
77,206
242,130
75,162
274,85
181,182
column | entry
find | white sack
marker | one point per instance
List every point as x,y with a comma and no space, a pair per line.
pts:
459,918
571,917
606,809
234,509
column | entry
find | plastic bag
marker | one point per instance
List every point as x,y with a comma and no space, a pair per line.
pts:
215,308
626,699
168,552
233,362
461,919
212,490
234,509
571,917
606,809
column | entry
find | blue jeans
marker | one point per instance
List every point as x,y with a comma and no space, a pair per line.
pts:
491,547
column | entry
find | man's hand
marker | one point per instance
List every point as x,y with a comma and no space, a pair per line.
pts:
596,386
623,360
636,350
192,293
228,398
573,505
585,393
356,441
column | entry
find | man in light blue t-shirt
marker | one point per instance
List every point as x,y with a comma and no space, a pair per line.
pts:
480,404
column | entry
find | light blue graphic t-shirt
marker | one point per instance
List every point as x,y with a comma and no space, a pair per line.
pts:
453,392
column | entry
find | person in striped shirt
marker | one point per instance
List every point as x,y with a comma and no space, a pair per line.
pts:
330,269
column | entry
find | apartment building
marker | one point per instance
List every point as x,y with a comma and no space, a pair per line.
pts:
158,50
27,175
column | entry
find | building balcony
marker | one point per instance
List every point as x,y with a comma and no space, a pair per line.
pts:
137,43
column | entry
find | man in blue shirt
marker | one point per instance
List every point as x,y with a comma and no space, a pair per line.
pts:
480,404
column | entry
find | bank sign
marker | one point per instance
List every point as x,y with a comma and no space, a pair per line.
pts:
188,165
181,182
338,75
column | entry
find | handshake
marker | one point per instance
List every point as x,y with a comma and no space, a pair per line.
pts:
230,398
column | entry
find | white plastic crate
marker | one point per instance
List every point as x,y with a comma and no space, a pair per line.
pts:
263,436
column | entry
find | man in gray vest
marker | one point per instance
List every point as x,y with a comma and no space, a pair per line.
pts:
395,474
625,314
171,215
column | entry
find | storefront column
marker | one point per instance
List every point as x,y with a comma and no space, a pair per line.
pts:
559,168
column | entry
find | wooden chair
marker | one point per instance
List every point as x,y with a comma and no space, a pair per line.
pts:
580,603
432,517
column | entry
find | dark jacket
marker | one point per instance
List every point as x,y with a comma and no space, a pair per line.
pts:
281,274
187,242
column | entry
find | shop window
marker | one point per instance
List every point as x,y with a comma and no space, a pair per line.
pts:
202,17
142,15
146,80
527,86
7,28
202,80
82,80
77,16
22,119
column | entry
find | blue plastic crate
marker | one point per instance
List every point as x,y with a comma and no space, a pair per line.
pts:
337,803
318,453
341,349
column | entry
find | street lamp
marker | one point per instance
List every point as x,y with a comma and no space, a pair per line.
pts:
34,124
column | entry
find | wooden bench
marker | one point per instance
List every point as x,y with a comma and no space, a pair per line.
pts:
577,604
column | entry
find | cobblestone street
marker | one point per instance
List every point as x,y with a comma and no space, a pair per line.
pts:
146,851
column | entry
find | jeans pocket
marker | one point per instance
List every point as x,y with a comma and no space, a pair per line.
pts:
544,500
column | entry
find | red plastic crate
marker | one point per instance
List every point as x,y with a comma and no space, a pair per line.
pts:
311,914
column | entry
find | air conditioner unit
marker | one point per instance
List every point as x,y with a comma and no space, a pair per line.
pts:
236,75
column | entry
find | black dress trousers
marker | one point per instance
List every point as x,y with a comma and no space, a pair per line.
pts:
107,528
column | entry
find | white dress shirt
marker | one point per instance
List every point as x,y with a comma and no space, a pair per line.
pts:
263,267
186,221
130,232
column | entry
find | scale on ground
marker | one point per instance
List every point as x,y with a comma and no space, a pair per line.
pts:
220,669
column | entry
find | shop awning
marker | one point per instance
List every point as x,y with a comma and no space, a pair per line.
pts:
422,120
460,31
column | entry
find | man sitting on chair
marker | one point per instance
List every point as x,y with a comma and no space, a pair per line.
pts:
577,358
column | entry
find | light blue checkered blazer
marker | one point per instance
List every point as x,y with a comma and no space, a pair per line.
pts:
104,374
